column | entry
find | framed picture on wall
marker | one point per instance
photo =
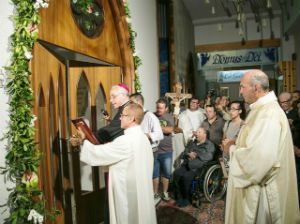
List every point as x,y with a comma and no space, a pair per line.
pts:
224,91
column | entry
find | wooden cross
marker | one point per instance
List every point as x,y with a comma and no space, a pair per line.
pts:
177,97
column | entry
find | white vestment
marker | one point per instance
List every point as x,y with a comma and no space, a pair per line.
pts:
130,161
190,121
262,184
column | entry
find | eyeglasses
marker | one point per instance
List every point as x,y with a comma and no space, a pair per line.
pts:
125,115
286,101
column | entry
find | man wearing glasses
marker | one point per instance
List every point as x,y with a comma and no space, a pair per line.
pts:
286,103
130,162
232,127
119,98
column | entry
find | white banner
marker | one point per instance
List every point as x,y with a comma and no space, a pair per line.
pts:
258,56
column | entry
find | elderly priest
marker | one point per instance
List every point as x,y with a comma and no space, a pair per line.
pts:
262,185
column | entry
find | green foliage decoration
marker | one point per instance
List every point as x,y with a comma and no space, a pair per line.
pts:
23,157
136,59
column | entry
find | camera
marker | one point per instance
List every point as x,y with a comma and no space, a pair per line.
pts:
211,92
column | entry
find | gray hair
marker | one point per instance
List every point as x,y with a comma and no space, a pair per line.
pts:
120,90
286,94
261,78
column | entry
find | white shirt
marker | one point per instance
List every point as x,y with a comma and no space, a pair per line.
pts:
190,121
150,125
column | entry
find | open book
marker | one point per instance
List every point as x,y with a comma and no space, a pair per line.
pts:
80,123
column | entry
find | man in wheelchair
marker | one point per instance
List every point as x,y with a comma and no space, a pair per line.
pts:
196,154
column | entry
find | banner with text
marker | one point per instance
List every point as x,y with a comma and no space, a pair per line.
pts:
244,57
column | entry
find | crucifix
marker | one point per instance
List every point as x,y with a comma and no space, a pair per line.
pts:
177,97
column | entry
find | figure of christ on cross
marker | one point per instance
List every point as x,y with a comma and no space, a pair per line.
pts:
177,97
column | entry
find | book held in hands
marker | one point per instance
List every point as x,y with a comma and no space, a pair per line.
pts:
80,123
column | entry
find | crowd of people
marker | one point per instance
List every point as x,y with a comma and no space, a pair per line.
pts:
258,138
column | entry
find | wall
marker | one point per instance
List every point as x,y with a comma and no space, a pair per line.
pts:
184,39
297,51
206,32
292,28
293,10
6,25
144,22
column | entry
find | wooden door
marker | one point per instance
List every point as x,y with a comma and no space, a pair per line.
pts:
75,190
50,109
89,94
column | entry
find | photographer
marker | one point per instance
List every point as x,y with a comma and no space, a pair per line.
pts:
212,98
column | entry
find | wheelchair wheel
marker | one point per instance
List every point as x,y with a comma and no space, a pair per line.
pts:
214,185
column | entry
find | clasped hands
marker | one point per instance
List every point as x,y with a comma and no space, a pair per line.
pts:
77,139
191,155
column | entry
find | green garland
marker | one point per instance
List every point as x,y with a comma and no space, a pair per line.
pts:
136,59
25,202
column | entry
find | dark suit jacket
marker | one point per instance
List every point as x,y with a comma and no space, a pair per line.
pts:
113,129
205,153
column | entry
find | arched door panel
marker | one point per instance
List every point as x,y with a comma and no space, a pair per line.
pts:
51,133
89,88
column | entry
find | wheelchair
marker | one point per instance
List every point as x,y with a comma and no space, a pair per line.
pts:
210,182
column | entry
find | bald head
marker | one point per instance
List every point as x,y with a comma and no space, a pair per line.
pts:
120,90
118,96
258,77
254,84
201,135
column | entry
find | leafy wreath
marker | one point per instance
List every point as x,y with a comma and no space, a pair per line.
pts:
26,203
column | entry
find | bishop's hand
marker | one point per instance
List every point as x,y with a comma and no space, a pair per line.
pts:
75,140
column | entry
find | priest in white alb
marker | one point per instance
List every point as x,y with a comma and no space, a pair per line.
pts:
130,161
262,185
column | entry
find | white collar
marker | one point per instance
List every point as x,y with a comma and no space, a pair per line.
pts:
132,129
269,97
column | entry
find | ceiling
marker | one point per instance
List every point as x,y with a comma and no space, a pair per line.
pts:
199,10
